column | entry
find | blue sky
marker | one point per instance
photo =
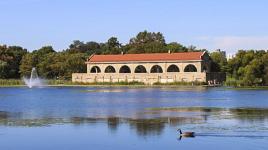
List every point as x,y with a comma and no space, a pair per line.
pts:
211,24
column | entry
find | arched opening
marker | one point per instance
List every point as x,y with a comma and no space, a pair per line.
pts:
190,68
140,69
95,69
109,69
173,68
124,69
156,69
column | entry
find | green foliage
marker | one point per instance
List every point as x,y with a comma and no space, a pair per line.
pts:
112,46
3,69
44,50
147,42
10,58
176,47
11,82
248,68
89,47
219,62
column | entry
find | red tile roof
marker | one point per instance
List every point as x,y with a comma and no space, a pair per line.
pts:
147,57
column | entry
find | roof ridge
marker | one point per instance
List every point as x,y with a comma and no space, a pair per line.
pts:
145,53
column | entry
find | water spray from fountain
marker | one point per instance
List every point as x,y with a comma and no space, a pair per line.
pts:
34,80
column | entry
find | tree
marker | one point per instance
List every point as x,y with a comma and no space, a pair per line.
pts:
265,68
10,58
147,42
27,63
44,50
249,67
112,46
219,62
81,47
176,47
3,69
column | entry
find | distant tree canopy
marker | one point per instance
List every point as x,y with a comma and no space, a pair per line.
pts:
10,59
51,64
147,42
247,67
143,42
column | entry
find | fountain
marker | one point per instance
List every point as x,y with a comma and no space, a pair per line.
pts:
34,80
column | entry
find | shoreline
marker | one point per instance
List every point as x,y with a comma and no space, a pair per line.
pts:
145,86
67,83
97,85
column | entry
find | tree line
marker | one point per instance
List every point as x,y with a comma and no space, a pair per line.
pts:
248,67
17,62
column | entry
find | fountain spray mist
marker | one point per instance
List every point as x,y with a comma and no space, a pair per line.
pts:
34,80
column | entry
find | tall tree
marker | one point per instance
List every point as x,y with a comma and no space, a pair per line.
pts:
219,61
176,47
112,46
147,42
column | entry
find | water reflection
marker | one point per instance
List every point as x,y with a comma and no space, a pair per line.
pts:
199,118
246,114
142,126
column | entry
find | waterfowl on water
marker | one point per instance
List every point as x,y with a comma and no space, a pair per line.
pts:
186,134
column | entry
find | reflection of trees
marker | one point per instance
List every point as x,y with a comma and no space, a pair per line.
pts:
184,120
143,127
3,115
249,114
113,123
82,120
147,126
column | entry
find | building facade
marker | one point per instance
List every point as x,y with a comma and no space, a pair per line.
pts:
150,68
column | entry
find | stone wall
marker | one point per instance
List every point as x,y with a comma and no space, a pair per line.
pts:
147,78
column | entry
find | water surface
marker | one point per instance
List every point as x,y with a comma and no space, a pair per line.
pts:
132,118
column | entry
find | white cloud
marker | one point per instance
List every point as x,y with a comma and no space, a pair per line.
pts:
233,43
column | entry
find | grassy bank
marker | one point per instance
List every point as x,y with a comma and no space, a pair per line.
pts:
11,82
19,82
243,83
181,83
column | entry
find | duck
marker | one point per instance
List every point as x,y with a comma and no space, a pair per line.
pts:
186,134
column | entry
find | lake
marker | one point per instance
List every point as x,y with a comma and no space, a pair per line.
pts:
105,118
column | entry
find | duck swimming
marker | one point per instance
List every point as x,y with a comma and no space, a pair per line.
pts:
186,134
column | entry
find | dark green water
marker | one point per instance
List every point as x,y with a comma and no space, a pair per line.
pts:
132,118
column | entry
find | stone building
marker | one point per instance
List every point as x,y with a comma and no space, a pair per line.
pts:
150,68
